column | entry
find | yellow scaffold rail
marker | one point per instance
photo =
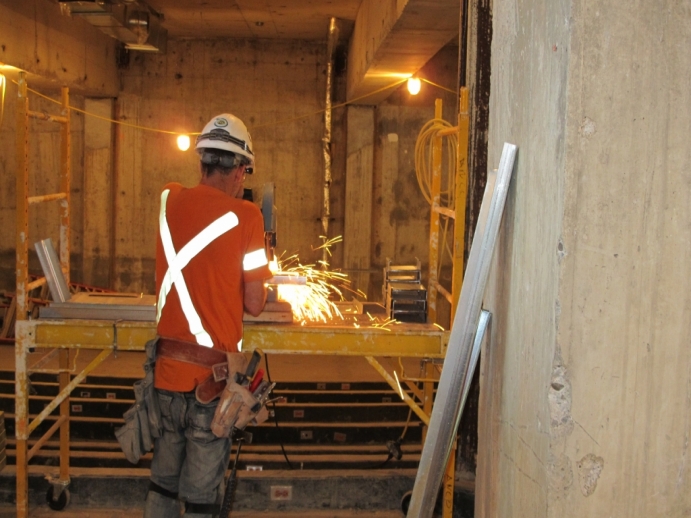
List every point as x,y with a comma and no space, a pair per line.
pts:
23,287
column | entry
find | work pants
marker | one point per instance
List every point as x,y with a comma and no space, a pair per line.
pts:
188,458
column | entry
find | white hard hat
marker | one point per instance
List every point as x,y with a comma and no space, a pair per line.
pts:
228,133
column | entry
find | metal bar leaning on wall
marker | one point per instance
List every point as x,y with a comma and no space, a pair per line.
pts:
448,405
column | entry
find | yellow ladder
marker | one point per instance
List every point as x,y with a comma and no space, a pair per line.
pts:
24,287
457,213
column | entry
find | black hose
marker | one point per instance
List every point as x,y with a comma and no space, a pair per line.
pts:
273,406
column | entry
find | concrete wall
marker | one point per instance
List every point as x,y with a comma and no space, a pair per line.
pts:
277,87
60,50
44,170
271,85
54,50
586,381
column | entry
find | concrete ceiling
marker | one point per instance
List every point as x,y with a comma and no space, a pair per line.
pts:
387,39
282,19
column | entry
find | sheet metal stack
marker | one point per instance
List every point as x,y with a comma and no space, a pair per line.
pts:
404,295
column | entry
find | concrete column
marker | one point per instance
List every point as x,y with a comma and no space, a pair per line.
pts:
98,193
586,383
357,235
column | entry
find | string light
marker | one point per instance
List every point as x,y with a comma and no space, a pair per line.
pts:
411,81
183,142
414,85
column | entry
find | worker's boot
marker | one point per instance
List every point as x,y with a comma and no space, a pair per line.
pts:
160,506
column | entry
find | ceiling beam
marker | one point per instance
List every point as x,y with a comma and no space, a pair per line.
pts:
393,39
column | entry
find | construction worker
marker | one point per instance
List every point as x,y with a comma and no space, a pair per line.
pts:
210,266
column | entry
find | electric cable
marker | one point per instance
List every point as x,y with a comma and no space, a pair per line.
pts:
258,126
397,443
253,128
273,405
424,170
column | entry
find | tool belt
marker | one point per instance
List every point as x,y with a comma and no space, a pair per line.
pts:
237,407
223,365
142,421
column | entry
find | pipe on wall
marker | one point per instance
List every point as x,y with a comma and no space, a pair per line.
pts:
326,140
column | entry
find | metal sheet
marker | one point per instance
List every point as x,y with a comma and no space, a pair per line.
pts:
448,404
104,306
50,264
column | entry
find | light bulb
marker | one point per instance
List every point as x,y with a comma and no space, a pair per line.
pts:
414,85
183,142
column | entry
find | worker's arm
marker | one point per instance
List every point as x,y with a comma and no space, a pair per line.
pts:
255,297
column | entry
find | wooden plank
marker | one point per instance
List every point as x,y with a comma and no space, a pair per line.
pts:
256,448
284,424
247,456
357,235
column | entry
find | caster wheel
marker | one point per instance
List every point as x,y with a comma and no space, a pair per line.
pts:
405,502
62,501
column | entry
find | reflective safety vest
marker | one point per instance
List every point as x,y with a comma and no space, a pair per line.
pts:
178,260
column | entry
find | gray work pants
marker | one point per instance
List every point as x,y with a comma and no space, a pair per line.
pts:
188,458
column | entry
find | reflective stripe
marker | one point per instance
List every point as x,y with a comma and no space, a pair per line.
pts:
254,260
240,345
177,261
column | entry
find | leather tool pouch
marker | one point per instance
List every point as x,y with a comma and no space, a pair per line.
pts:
143,419
211,387
236,409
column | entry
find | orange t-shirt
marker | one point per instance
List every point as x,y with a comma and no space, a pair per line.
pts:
214,278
